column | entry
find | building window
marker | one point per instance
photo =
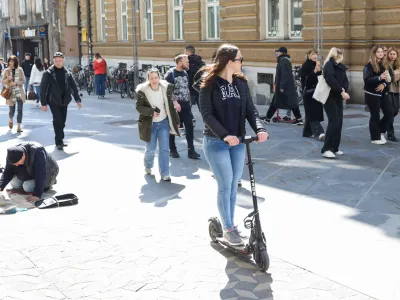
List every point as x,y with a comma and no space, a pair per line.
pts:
124,19
148,19
39,6
22,7
4,8
296,14
103,35
273,18
178,19
212,13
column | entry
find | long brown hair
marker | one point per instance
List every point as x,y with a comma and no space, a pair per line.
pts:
375,64
396,62
225,53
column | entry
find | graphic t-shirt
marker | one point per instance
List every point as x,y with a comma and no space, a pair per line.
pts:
181,82
233,106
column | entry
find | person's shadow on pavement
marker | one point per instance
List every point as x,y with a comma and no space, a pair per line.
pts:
159,193
60,155
245,280
244,198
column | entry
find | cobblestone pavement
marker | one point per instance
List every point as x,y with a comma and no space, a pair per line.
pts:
133,237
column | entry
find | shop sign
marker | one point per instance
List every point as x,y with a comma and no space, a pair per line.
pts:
84,35
28,32
42,31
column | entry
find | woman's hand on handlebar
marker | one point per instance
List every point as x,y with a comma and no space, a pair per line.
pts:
231,140
262,136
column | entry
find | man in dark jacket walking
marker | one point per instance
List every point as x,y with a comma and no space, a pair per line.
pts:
285,91
195,64
29,168
27,65
56,90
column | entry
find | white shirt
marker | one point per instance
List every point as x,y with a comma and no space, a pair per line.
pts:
36,76
156,99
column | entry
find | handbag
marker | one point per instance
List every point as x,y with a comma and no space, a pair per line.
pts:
31,94
6,93
322,90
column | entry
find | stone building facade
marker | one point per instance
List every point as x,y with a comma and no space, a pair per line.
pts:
257,27
29,26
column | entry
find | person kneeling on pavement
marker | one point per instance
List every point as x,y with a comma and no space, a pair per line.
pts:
29,168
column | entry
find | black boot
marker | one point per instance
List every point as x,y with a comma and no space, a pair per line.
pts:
193,154
174,154
391,138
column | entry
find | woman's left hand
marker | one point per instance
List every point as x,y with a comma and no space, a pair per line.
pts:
262,136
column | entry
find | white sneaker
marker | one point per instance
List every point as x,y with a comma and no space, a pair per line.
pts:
383,137
166,178
379,142
148,171
339,153
37,104
328,154
322,137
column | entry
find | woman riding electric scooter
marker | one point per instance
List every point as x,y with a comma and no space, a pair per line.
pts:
225,104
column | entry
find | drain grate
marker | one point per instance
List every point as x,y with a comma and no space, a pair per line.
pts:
81,133
32,126
354,116
122,123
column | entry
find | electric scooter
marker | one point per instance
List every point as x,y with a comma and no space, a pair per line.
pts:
256,244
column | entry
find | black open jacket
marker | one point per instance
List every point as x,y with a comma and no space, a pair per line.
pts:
372,81
50,92
212,109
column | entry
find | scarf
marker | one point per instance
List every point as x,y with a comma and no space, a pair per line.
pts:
16,90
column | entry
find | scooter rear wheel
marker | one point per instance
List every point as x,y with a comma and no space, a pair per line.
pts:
214,229
261,258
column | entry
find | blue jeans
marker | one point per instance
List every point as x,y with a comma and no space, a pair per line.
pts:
227,165
18,184
160,132
27,84
37,91
100,84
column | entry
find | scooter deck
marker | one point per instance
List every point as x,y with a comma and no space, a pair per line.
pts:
240,248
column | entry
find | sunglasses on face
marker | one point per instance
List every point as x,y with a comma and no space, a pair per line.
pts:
239,59
58,54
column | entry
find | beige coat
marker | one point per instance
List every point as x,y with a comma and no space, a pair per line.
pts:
20,82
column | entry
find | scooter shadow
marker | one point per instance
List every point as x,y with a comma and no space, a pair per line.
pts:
159,193
244,198
245,280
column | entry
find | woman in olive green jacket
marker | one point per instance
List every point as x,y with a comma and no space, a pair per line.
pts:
158,118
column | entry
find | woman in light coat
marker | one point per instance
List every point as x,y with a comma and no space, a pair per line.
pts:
36,78
14,78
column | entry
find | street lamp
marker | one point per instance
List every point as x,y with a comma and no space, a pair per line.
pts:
319,27
135,44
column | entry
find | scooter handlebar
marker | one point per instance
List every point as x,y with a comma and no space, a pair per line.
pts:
246,140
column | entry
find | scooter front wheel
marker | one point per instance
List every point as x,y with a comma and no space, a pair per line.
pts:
214,229
261,258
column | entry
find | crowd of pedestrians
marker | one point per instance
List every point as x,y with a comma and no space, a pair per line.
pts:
51,85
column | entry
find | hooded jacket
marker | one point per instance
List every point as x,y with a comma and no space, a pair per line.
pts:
195,64
213,111
146,111
39,165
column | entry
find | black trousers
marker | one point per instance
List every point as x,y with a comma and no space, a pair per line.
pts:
272,109
396,105
334,111
59,119
378,126
186,118
312,128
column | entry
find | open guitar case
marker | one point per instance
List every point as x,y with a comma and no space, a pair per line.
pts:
57,201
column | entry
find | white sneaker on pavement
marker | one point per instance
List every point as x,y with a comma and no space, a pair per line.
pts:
379,142
328,154
322,137
339,153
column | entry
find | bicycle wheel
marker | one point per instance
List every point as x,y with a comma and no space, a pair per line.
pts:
123,89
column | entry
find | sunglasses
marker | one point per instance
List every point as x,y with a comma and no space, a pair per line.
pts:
239,59
58,54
